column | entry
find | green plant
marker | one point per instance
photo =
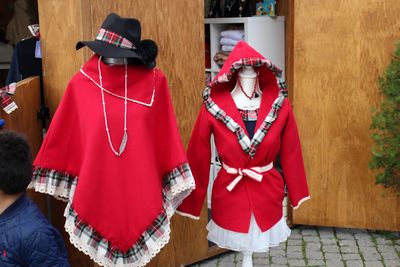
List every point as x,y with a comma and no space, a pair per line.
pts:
386,123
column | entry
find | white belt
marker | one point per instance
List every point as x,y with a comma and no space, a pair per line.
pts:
253,173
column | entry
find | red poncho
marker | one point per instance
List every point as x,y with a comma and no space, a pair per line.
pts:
119,208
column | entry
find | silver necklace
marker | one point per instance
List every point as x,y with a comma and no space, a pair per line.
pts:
125,137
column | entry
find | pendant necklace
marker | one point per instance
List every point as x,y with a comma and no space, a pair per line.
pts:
125,136
244,92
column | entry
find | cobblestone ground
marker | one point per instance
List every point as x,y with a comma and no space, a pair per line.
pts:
319,246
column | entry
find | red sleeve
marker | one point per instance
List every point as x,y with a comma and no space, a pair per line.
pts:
199,155
292,162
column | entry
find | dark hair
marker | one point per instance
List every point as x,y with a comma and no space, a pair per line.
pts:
15,162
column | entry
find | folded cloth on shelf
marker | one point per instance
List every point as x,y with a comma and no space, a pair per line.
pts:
227,48
233,34
228,41
220,58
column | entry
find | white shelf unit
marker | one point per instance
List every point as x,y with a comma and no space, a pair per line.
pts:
265,34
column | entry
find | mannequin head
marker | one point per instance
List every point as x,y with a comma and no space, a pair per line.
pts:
247,72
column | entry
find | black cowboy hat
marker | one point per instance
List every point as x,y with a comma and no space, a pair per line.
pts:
109,41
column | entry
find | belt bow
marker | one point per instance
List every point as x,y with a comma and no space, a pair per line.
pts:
254,173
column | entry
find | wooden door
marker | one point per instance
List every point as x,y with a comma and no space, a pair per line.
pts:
177,27
340,49
24,120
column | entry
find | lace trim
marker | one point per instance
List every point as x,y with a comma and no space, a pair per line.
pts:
187,215
177,184
52,182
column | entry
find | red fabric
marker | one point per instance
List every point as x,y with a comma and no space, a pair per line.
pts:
232,210
118,196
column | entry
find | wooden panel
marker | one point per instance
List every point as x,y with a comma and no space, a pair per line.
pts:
340,49
24,120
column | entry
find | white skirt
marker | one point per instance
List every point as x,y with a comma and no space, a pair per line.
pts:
255,240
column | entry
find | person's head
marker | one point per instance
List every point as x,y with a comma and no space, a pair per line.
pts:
15,163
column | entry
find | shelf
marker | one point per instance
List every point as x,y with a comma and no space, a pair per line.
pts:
243,20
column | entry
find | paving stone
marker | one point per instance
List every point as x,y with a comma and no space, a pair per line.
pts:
349,249
345,236
277,265
329,241
346,243
316,263
383,241
311,239
280,247
295,236
314,255
225,264
343,230
260,261
358,231
294,248
368,249
354,263
333,256
295,231
294,255
390,256
280,260
391,263
365,243
313,246
309,232
385,248
294,242
352,256
296,263
371,256
277,253
261,255
373,264
330,248
227,258
334,263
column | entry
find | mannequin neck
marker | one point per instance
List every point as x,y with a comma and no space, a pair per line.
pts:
111,61
7,200
248,79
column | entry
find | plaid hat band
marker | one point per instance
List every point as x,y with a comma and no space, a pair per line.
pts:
6,102
114,39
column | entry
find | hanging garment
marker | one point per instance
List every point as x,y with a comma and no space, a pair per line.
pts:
247,184
25,61
119,207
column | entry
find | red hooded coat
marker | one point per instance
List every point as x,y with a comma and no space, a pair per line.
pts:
275,134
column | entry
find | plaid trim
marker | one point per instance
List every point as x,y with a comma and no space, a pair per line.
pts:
6,101
249,115
52,182
248,146
85,238
114,39
177,185
35,30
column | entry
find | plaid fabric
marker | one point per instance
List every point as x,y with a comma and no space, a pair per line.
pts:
177,184
249,115
55,183
248,146
90,238
114,39
7,103
34,29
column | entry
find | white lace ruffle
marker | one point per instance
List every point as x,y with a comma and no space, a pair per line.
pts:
255,240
